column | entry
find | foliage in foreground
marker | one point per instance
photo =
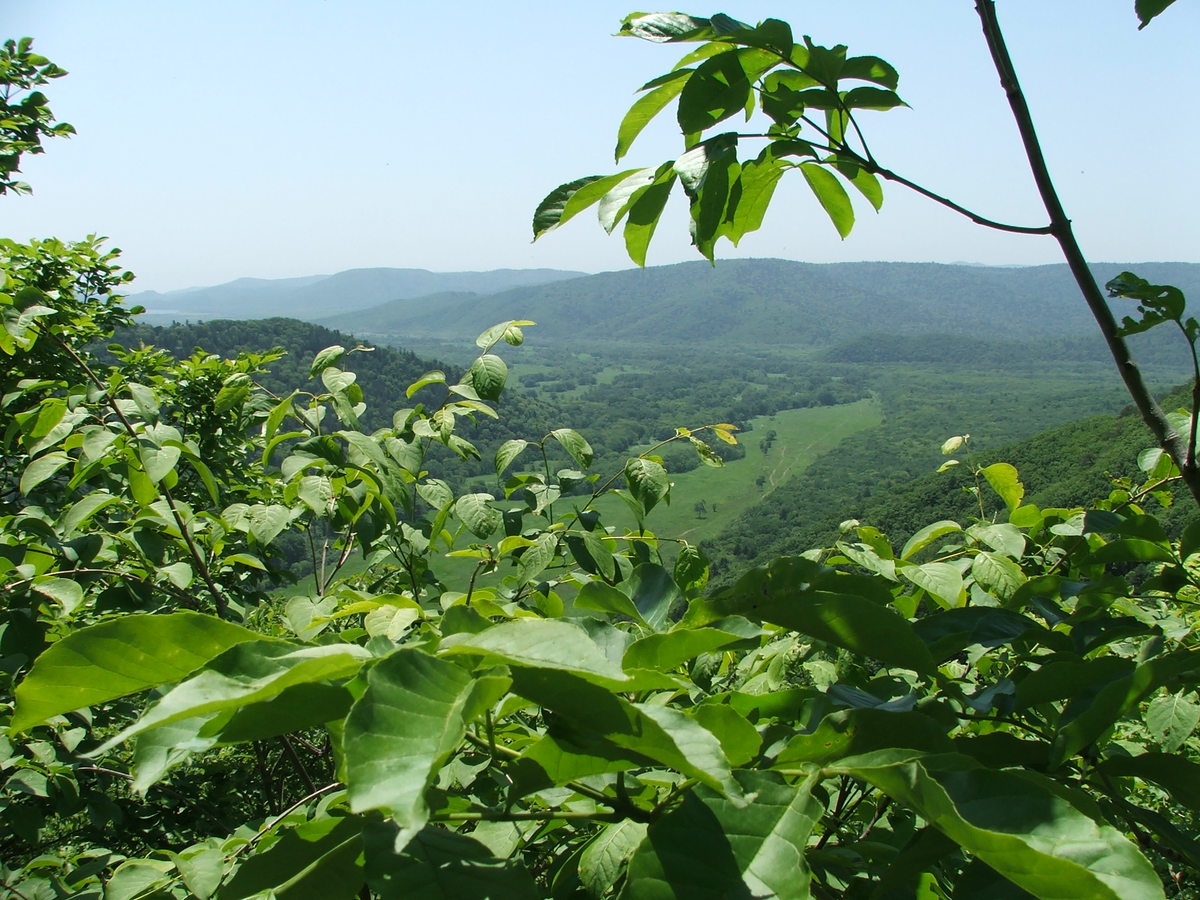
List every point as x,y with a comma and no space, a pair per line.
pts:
999,707
1005,701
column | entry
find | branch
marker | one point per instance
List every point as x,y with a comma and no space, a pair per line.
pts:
1060,227
222,604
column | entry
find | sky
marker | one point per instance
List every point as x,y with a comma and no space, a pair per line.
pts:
274,138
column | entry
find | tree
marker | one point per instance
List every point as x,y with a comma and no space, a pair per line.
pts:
506,696
25,117
814,128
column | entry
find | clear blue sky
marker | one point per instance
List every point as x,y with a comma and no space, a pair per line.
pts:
273,138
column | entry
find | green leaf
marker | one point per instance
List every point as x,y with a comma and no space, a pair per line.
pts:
330,356
488,374
831,195
267,521
475,512
318,858
1147,10
1004,481
81,512
927,536
507,452
666,27
941,581
537,557
709,848
654,592
158,461
647,481
998,575
647,107
593,715
119,657
871,98
247,673
664,652
871,68
570,199
434,377
66,593
1028,833
43,468
401,731
551,644
441,865
1178,776
720,87
1171,719
751,197
615,204
950,632
575,445
800,594
601,597
643,217
851,732
602,863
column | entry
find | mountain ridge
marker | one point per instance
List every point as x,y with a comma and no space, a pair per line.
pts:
314,296
771,301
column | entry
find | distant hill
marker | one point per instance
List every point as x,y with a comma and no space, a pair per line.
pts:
771,301
327,296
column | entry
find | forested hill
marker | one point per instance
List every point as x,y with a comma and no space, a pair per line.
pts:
1066,466
319,296
773,302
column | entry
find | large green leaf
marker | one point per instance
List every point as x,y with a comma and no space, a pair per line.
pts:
568,200
319,858
488,374
400,732
589,711
941,581
1148,9
654,593
852,732
647,107
551,644
663,652
250,672
575,445
647,481
831,195
120,657
602,863
440,865
1014,823
1178,776
644,214
720,87
1171,719
802,595
477,513
951,631
709,847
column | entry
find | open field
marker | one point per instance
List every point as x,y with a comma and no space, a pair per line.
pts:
801,435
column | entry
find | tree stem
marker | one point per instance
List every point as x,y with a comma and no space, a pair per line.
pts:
1060,228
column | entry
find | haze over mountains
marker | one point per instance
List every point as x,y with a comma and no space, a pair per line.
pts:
764,301
316,296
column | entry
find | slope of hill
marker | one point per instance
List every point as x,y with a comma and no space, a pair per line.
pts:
771,301
320,296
